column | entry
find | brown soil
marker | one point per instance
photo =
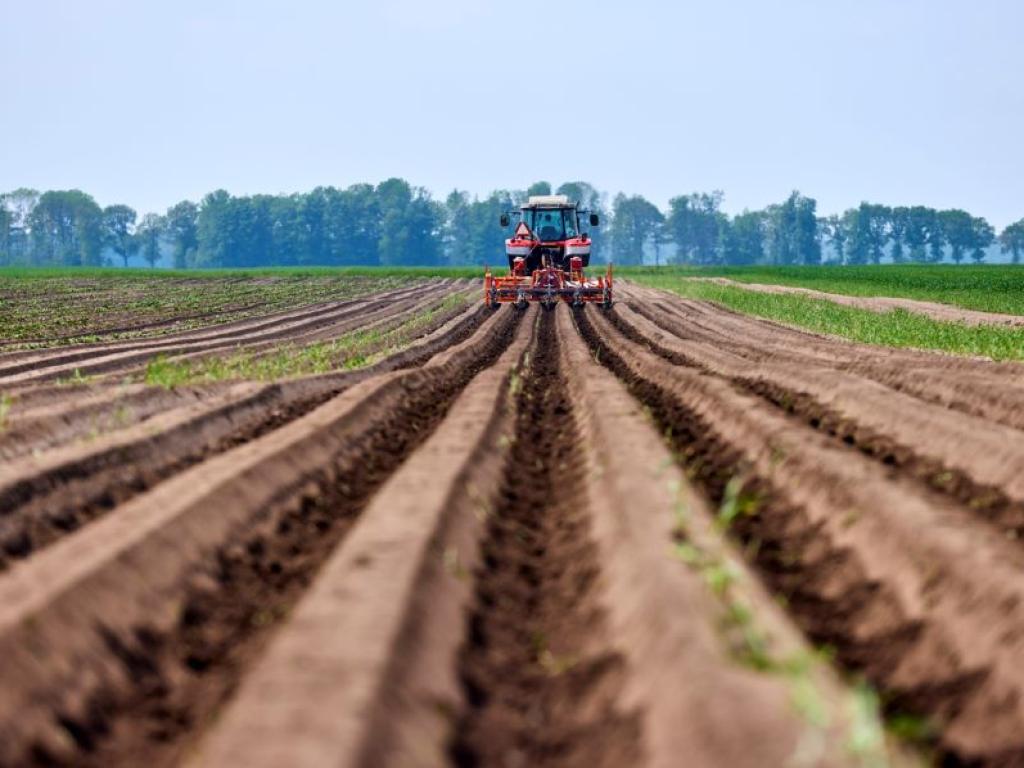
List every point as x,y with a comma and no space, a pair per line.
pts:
529,633
385,613
541,686
42,504
46,416
172,676
942,466
554,537
105,358
853,546
992,391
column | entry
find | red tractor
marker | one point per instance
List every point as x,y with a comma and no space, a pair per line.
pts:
547,254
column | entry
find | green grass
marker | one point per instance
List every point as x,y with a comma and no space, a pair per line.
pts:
989,288
348,352
894,329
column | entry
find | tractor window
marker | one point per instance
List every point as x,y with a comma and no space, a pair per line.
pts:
551,223
570,223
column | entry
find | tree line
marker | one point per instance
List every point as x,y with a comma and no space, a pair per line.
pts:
396,224
694,230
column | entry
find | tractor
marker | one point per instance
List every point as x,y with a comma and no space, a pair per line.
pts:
547,254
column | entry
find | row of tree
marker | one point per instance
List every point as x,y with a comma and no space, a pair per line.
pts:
696,231
395,223
68,228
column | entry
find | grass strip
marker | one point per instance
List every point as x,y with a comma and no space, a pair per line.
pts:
898,328
985,287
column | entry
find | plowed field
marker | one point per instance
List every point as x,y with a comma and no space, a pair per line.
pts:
661,534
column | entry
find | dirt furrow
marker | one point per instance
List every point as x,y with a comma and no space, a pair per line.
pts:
988,390
541,686
244,325
43,499
111,330
387,316
37,422
104,360
586,640
365,667
961,457
120,641
37,401
909,589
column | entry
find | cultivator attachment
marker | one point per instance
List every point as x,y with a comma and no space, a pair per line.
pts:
547,285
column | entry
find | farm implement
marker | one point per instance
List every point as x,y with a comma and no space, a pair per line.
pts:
547,255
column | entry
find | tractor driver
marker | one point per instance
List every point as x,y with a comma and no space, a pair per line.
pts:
549,229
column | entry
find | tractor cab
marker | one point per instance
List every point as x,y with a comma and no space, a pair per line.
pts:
547,254
552,224
548,234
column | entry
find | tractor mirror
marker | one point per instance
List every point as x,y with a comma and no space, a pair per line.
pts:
593,220
504,219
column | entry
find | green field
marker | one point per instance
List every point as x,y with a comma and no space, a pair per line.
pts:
895,329
989,288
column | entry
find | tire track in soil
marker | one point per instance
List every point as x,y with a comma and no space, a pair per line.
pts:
825,589
233,605
988,502
41,509
540,686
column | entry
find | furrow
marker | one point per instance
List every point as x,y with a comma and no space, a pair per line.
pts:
981,388
111,330
47,416
101,361
43,499
911,591
970,461
408,651
541,682
237,327
122,640
365,667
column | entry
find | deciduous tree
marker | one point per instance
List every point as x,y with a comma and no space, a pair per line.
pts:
743,238
182,222
635,223
695,224
966,233
149,233
1011,240
66,229
119,230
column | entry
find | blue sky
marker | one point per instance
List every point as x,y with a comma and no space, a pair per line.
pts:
895,101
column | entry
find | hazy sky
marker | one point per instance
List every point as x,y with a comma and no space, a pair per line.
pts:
896,101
